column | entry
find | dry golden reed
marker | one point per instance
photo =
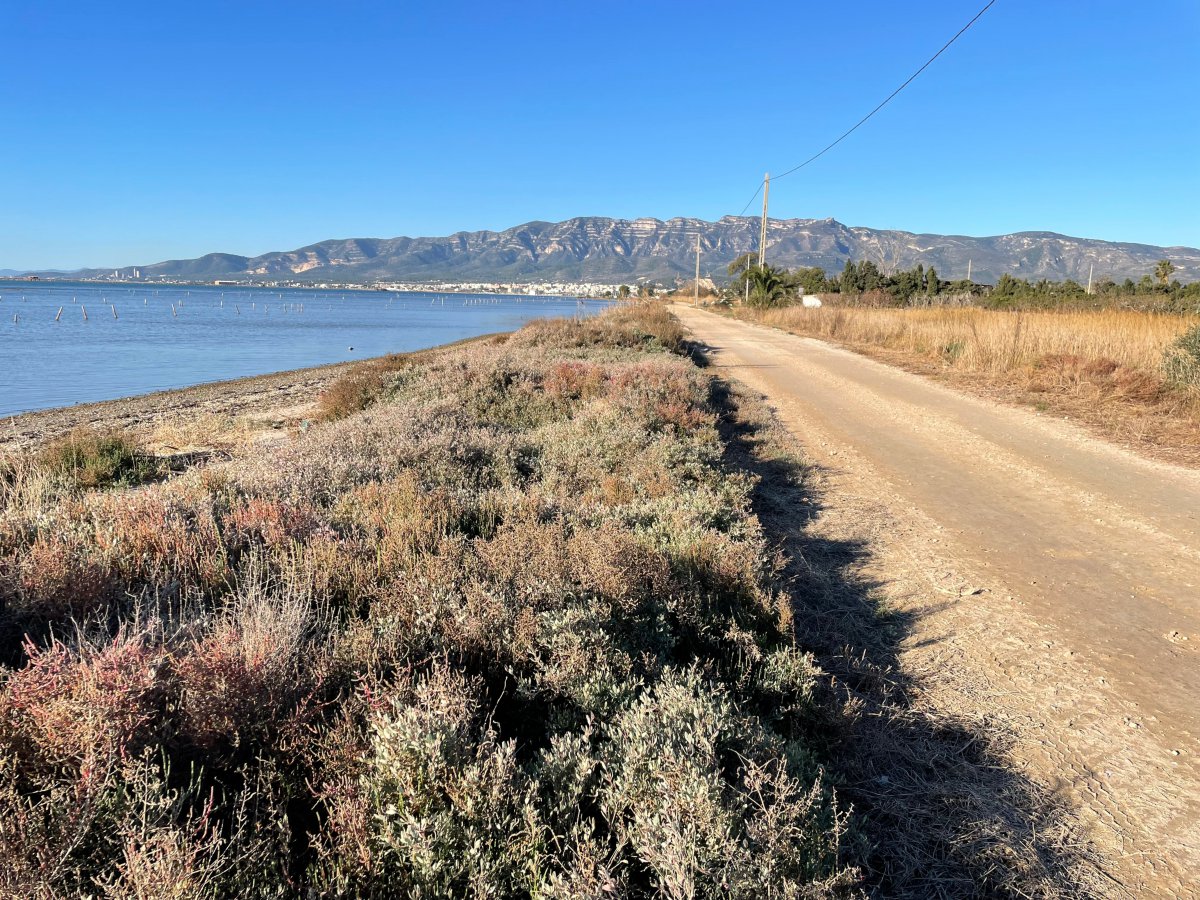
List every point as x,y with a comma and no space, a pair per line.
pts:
983,340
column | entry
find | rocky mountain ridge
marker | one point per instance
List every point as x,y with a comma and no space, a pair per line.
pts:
622,250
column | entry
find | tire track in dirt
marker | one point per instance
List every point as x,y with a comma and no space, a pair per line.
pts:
1054,581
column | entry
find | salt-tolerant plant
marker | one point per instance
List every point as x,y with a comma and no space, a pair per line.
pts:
242,679
504,625
90,459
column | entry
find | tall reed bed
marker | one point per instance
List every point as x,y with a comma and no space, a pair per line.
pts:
996,341
504,626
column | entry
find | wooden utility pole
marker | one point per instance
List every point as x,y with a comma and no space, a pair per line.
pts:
696,283
762,232
1091,271
968,270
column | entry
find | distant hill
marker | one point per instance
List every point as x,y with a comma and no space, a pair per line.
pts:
620,250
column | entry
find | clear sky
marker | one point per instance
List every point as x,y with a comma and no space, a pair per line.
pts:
133,132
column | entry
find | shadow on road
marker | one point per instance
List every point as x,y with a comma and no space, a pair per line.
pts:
940,811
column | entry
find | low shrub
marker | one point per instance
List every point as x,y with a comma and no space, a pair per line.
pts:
505,625
240,683
349,394
90,459
84,705
1181,361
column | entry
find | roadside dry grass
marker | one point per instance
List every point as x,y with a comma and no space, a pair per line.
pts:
510,629
1107,369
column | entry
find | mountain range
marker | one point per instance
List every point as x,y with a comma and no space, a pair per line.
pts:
608,250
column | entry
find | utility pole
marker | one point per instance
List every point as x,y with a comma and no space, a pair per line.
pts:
696,283
968,270
1091,270
762,232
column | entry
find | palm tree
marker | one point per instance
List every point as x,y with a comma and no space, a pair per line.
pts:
1163,271
767,286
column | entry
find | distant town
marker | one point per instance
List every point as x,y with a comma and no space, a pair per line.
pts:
585,289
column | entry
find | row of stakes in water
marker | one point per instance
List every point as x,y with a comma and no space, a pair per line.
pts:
285,307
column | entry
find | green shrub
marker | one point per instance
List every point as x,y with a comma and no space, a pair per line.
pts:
1181,362
91,459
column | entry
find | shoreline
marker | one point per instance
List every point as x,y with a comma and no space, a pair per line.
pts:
273,400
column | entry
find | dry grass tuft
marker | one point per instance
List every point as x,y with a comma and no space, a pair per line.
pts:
1122,371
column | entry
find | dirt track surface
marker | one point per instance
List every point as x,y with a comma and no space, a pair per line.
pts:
1061,582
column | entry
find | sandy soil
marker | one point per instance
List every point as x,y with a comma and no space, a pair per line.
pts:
1049,586
259,404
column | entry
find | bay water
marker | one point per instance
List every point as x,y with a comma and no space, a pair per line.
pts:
63,343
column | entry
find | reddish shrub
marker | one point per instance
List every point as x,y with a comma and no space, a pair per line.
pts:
661,395
87,705
351,393
155,538
617,566
274,523
574,381
244,679
59,580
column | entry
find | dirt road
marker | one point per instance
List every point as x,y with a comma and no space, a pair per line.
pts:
1080,572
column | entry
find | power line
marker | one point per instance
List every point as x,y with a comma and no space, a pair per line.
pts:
885,102
752,199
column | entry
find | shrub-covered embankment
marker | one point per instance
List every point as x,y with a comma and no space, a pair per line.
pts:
508,630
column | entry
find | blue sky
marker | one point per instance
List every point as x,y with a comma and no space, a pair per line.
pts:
131,132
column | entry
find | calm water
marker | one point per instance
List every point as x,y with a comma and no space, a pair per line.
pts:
167,337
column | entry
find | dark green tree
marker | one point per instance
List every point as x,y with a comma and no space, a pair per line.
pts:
849,282
932,285
737,268
810,280
768,286
870,277
1007,286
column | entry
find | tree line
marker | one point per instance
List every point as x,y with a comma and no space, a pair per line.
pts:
766,285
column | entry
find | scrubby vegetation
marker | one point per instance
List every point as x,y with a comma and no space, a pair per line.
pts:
97,459
505,626
864,284
1181,361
